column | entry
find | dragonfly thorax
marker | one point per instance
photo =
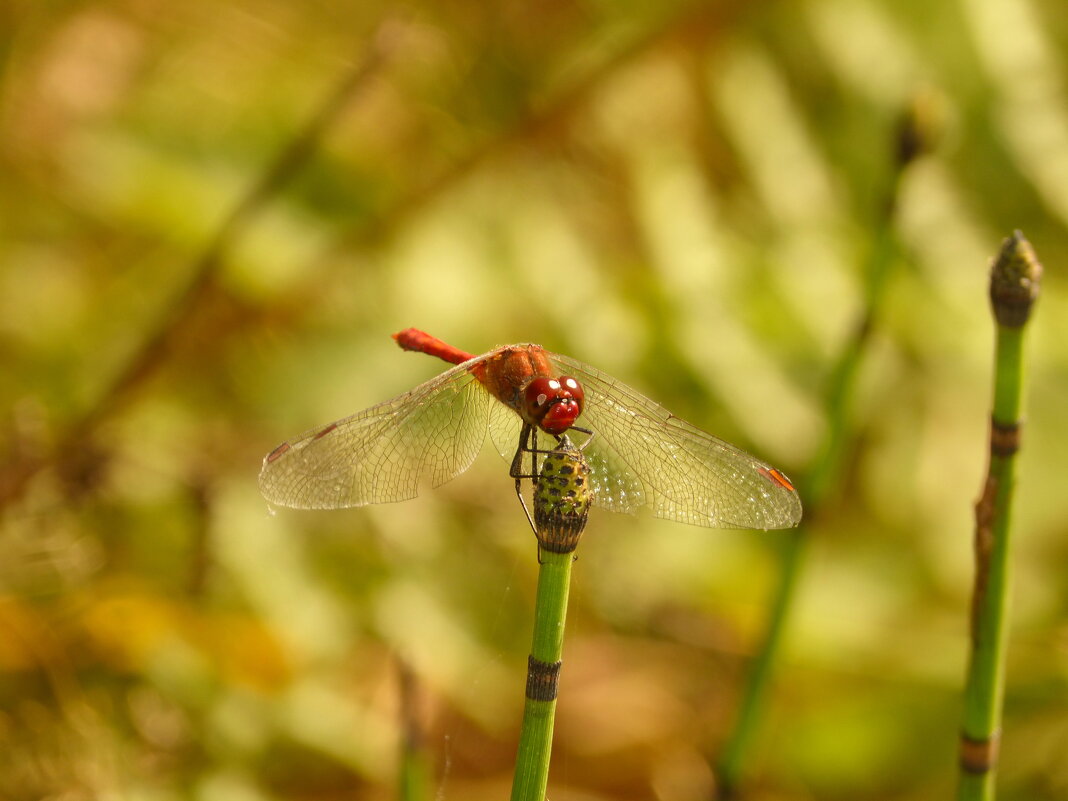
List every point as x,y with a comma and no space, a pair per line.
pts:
552,404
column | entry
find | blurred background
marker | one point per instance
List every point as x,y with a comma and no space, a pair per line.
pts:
212,217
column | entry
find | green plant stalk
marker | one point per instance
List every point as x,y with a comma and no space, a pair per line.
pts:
919,130
737,748
536,734
814,488
414,775
985,685
826,467
1014,287
562,497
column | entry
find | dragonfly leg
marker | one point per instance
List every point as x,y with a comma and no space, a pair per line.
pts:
534,477
516,472
589,436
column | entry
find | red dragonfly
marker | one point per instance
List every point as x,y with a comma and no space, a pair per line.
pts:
639,453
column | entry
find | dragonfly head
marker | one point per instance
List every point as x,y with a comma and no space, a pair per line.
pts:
553,404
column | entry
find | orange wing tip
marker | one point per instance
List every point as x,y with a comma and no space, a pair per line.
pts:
777,477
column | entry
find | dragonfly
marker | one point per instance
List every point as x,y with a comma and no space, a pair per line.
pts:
638,453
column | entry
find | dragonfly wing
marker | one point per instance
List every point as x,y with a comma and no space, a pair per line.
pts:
641,454
385,453
504,428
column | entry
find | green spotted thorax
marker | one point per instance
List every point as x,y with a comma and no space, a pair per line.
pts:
562,497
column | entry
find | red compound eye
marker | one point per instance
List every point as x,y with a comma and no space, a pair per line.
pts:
553,404
574,389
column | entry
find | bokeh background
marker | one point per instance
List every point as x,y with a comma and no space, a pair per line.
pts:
212,217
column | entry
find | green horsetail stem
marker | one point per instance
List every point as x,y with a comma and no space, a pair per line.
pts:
919,131
413,780
562,496
1014,286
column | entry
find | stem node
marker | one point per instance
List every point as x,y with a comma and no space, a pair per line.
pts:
543,678
1004,438
978,756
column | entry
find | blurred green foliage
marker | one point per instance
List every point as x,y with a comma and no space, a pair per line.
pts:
681,195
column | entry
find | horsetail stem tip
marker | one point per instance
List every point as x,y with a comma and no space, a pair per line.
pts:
921,126
562,497
1015,280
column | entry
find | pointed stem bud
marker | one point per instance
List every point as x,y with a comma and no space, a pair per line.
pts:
922,125
562,497
1015,279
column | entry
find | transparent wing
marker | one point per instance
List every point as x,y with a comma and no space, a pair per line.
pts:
504,428
385,453
642,455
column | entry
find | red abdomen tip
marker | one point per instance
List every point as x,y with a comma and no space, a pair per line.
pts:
422,342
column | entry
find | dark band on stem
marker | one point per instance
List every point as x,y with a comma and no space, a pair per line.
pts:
979,756
542,679
1004,438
